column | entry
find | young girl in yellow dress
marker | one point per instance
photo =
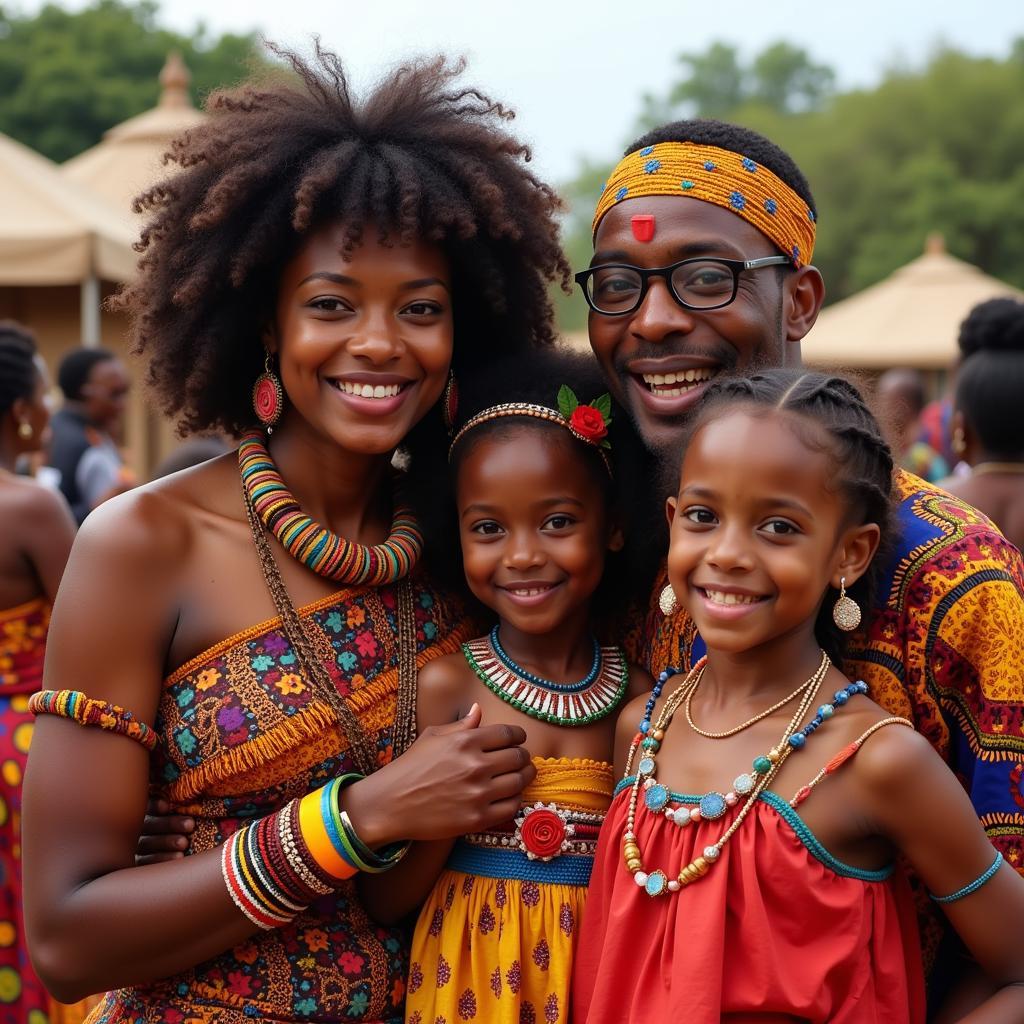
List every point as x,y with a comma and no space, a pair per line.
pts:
534,493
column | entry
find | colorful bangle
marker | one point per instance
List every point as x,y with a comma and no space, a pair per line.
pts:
344,838
365,858
86,711
313,831
971,886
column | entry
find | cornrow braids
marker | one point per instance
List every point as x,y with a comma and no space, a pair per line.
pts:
862,458
420,157
18,373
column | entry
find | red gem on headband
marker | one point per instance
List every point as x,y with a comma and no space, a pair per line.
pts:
643,226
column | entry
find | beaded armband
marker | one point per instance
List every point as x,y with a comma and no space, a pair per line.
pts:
974,886
88,712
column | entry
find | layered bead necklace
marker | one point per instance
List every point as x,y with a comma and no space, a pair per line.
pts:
591,698
657,797
316,547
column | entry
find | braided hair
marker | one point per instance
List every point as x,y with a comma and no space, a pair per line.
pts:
420,157
18,372
858,451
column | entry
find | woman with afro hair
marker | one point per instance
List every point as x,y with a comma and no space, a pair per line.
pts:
241,639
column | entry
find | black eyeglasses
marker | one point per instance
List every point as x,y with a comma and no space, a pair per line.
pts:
615,289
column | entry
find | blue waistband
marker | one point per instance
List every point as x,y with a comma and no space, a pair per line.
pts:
568,869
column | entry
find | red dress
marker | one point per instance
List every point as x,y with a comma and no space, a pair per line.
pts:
777,930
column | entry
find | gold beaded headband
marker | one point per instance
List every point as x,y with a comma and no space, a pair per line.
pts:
718,176
586,422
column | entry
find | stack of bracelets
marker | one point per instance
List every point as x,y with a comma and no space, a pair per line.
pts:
275,867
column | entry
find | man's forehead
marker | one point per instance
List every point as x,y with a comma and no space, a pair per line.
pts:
682,226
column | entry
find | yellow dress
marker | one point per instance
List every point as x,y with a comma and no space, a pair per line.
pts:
495,939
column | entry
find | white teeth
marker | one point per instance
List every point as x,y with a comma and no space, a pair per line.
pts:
719,597
689,378
528,591
368,390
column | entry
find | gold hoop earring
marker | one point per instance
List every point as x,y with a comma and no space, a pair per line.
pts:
959,442
667,601
25,430
846,613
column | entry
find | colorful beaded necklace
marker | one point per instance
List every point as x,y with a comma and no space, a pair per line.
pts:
591,698
316,547
713,805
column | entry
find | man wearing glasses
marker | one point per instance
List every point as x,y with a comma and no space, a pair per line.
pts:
703,238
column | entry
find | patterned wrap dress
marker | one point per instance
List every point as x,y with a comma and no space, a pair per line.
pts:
495,940
944,647
23,1000
242,733
777,931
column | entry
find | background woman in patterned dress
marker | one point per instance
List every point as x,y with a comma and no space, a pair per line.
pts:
36,531
358,250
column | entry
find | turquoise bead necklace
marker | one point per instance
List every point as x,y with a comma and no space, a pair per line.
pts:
712,805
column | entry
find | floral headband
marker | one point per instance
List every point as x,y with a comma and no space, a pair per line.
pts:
718,176
586,422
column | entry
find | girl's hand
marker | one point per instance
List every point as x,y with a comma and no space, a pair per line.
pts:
454,779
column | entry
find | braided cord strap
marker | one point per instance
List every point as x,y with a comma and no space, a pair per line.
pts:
98,714
974,886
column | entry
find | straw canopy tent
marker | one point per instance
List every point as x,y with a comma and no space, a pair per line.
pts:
54,233
912,318
128,159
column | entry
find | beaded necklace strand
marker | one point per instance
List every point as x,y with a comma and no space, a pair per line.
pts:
712,805
743,725
325,552
587,700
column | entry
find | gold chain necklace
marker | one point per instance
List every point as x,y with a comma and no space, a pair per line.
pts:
750,721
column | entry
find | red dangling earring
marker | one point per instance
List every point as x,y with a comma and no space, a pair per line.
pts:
267,396
450,402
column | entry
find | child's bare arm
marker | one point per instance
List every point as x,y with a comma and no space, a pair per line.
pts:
626,728
914,799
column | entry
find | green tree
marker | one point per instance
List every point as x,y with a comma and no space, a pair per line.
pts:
66,77
785,78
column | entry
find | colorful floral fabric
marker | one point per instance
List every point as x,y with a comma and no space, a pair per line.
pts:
944,647
22,645
495,940
242,733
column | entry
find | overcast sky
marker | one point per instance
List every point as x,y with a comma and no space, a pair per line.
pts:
574,70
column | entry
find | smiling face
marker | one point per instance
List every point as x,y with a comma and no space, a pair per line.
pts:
658,359
533,524
757,533
363,345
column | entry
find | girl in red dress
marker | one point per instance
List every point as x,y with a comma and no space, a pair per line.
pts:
775,896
